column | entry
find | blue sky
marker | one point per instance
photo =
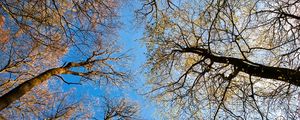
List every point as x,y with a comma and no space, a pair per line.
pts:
130,37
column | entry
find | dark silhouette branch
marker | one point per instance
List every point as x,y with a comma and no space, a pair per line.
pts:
69,83
229,78
283,74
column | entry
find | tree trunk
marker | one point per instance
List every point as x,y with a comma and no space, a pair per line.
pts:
25,87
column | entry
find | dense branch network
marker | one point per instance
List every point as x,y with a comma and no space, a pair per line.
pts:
36,36
220,59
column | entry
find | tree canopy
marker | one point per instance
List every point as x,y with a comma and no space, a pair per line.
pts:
41,41
206,59
224,59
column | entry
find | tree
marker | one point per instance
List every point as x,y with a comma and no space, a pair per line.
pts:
120,109
59,105
43,40
224,59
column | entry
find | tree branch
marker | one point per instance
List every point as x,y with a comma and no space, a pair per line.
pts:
69,83
283,74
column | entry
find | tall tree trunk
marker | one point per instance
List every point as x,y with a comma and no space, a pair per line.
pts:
25,87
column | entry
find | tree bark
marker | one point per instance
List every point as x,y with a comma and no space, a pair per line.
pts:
25,87
283,74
